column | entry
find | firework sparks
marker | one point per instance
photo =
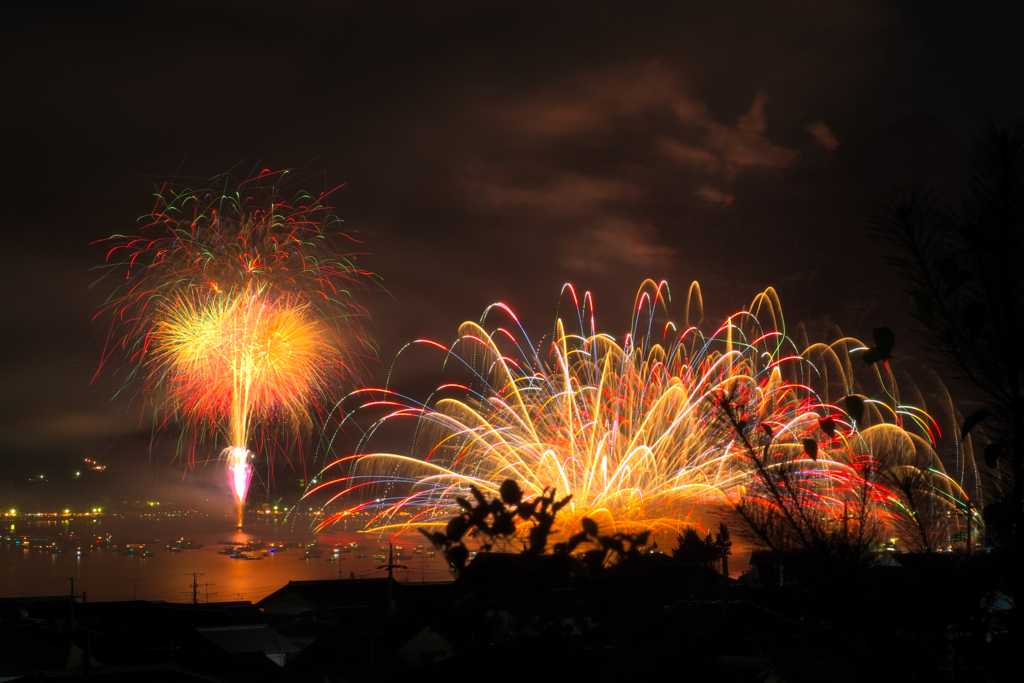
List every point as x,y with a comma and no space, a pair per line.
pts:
239,470
630,429
237,309
238,358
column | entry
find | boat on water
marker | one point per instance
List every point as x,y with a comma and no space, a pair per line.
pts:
246,556
348,548
180,544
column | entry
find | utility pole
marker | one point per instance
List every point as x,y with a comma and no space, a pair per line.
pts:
195,588
970,518
968,511
71,608
391,567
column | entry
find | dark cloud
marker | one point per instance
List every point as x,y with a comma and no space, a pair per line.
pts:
823,134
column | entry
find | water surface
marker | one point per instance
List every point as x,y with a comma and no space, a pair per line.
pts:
110,574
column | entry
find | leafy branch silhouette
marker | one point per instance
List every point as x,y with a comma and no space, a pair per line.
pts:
494,522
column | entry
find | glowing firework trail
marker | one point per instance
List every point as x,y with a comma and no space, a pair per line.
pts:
238,310
628,429
239,358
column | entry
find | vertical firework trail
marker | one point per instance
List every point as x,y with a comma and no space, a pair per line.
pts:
238,313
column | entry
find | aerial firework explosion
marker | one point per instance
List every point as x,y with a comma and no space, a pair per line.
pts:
239,314
632,430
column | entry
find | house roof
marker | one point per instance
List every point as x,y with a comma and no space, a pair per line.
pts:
352,645
137,615
247,638
350,596
327,594
22,650
156,673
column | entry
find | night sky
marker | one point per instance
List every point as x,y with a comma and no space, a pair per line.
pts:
489,151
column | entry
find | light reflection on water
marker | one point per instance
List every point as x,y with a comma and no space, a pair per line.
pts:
107,574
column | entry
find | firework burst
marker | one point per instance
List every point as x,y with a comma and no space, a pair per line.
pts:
238,313
631,429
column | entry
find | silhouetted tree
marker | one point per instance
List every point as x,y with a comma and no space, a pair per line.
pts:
778,510
964,268
924,526
723,544
618,548
494,521
692,548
